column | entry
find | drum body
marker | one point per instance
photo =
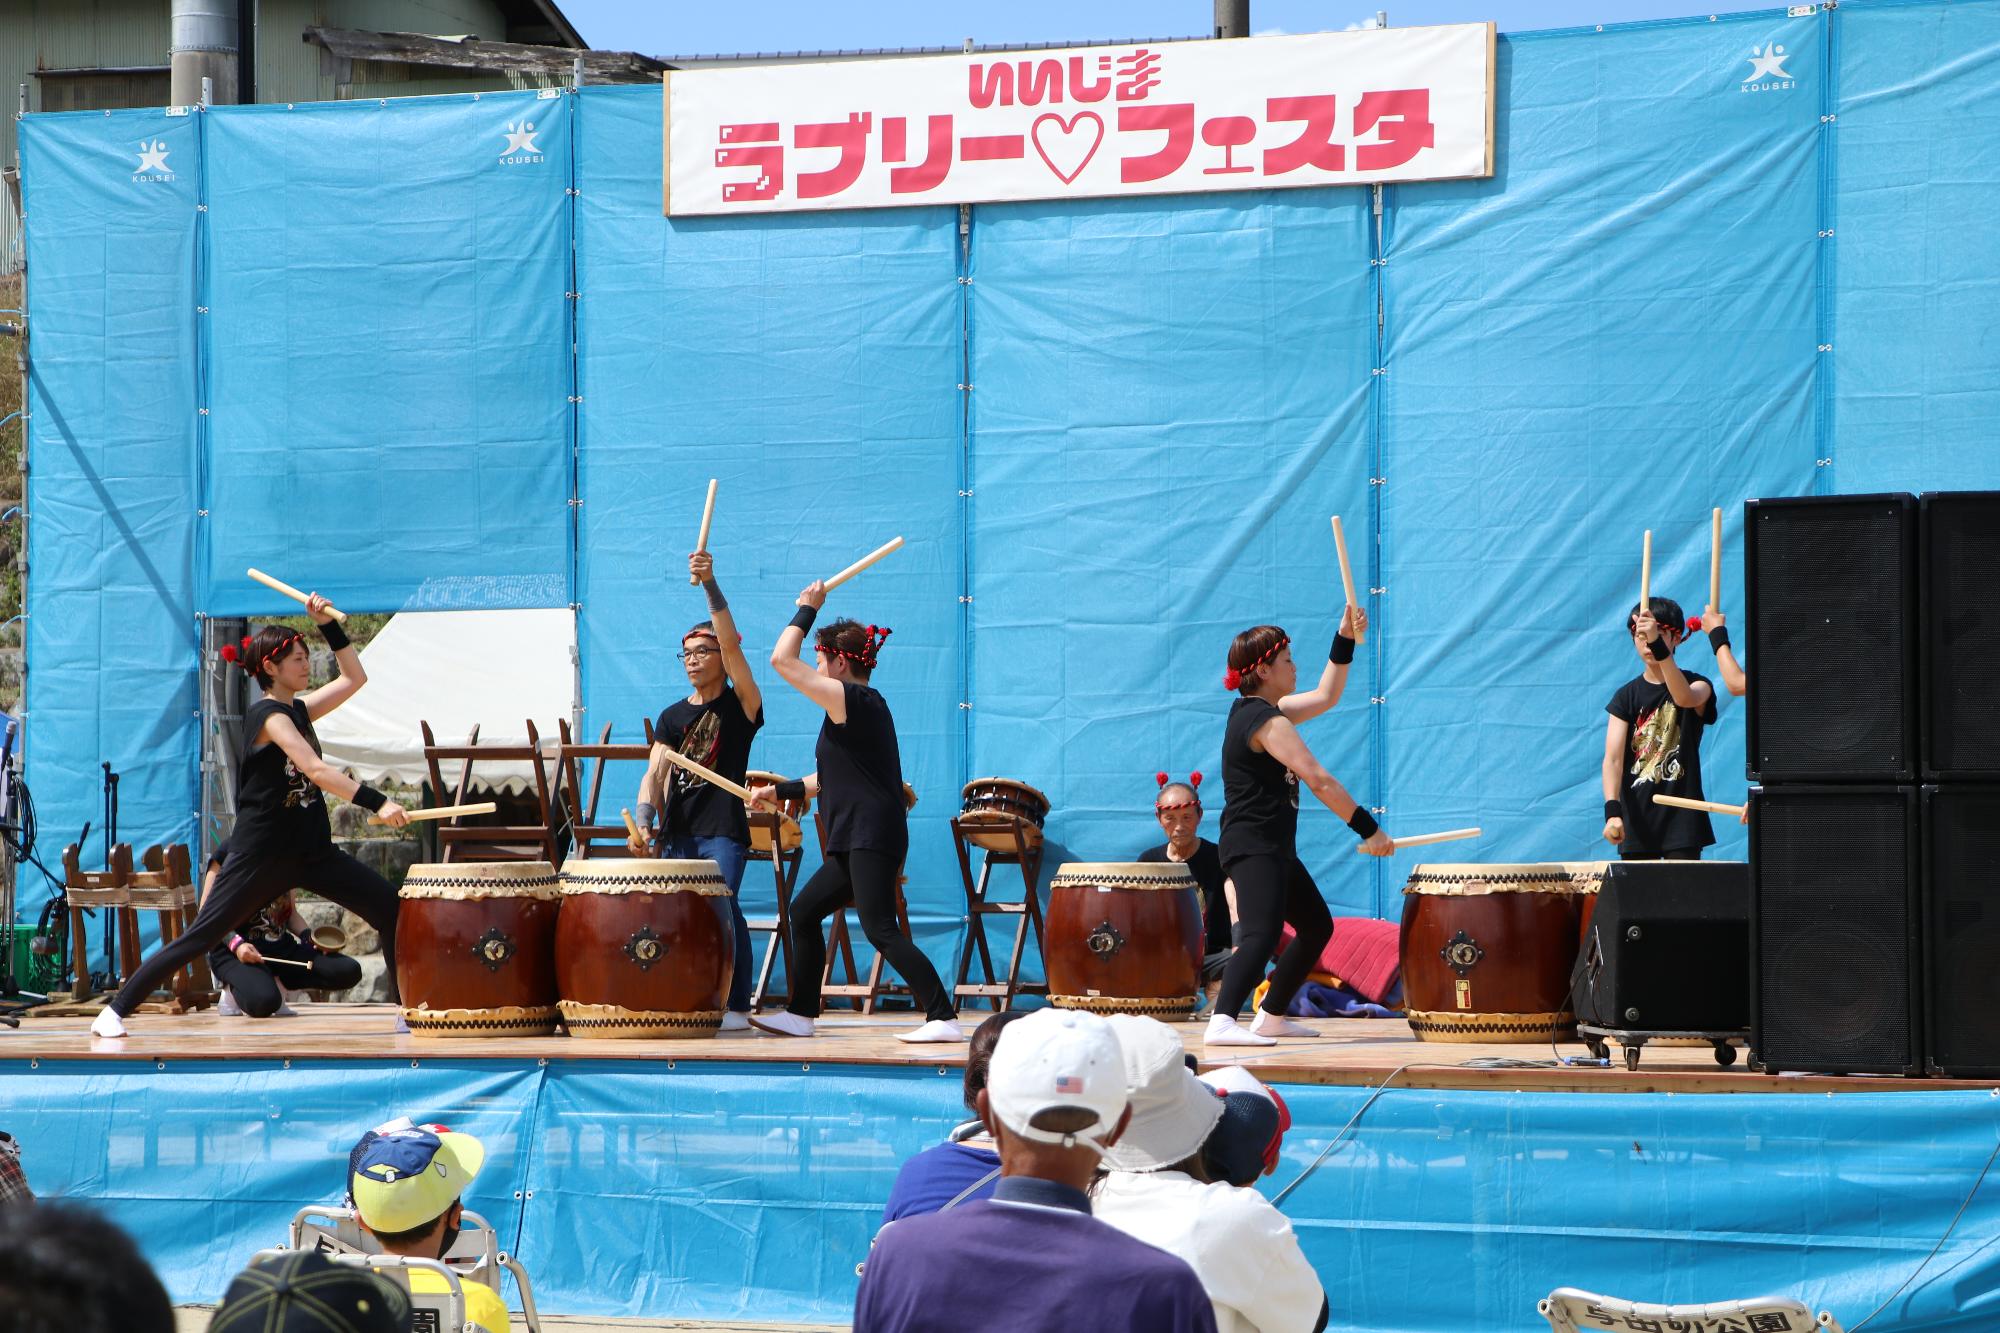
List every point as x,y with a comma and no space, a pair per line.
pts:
789,835
1487,950
1124,938
998,802
644,948
475,949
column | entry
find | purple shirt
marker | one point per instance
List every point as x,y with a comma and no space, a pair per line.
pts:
939,1174
1030,1260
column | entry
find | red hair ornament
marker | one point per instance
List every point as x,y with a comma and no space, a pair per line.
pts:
1193,784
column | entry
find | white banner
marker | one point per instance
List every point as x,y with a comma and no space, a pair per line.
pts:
1341,108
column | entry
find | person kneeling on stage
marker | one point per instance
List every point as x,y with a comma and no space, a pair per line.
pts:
1157,1189
405,1181
1178,808
1652,745
252,984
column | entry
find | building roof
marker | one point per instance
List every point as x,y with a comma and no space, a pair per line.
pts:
541,23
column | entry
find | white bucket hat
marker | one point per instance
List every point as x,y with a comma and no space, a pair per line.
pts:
1173,1112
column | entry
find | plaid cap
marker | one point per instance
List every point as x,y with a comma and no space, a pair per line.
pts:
13,1180
306,1292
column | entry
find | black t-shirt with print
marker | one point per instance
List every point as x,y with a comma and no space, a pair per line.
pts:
1260,805
278,809
1662,758
861,777
717,736
1206,867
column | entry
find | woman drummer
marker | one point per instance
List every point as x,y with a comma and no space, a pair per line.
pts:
282,838
859,784
1264,760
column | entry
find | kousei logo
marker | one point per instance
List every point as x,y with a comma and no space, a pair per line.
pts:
521,146
153,161
1767,69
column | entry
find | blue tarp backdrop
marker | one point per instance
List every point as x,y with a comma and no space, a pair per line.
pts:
447,353
699,1190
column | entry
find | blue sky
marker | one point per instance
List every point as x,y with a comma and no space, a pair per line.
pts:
682,27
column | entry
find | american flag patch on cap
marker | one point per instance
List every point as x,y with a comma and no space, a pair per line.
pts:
1069,1083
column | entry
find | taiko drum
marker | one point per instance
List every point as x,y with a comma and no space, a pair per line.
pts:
475,949
644,948
993,810
1124,937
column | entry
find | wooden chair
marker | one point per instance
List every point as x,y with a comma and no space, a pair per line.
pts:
167,886
1003,839
589,838
458,840
863,995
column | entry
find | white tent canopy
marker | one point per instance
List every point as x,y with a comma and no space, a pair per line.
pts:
455,670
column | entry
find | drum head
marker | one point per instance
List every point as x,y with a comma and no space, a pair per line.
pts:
482,879
1469,878
1123,875
635,875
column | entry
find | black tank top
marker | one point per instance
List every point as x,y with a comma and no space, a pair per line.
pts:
278,809
861,777
1260,809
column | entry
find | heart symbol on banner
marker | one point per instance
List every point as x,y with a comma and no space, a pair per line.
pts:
1061,142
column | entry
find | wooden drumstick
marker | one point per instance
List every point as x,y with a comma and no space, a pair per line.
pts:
288,962
1426,839
707,517
632,827
280,586
443,812
844,575
1714,560
715,779
1646,577
1689,803
1346,573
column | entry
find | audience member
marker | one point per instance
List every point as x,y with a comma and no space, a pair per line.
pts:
1157,1190
64,1269
13,1180
1246,1141
306,1292
405,1181
966,1166
1032,1259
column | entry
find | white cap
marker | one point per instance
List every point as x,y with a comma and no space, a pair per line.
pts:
1057,1059
1173,1112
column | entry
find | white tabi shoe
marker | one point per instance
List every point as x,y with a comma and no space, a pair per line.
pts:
938,1030
783,1023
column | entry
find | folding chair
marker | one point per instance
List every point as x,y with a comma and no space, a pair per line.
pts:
475,1256
504,842
1570,1310
589,838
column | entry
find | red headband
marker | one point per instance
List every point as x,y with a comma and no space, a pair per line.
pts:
1233,679
240,653
1193,784
706,634
870,650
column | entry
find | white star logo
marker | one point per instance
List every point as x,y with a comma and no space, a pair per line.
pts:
1767,62
521,139
153,156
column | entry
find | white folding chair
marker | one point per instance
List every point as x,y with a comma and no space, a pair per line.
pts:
430,1311
475,1256
1570,1310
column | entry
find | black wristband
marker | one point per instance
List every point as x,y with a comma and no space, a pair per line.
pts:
792,789
1342,651
803,618
336,637
1658,648
1718,638
369,799
714,593
1362,823
1613,810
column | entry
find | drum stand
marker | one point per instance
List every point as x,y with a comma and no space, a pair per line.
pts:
785,871
1025,853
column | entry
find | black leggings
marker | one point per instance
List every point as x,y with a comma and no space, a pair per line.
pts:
1273,892
867,879
255,985
246,884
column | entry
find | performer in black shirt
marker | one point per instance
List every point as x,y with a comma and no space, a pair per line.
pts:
250,964
713,726
1263,762
1652,745
282,838
859,783
1178,808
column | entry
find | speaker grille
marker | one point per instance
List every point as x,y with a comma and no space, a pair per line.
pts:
1834,930
1830,639
1961,635
1962,982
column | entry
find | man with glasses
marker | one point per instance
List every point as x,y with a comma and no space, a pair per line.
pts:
681,816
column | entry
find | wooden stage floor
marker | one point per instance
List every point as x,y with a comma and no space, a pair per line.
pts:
1353,1052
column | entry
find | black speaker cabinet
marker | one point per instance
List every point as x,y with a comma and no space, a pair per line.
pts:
1668,948
1834,940
1959,645
1961,825
1831,616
